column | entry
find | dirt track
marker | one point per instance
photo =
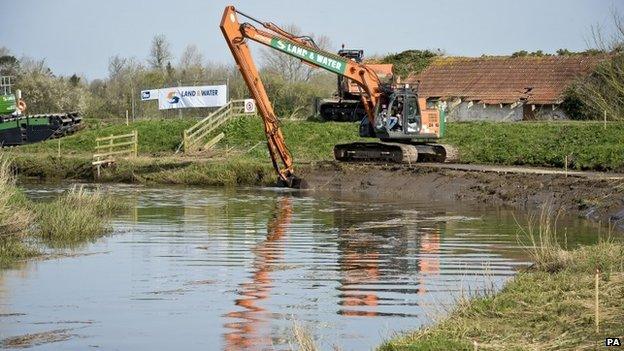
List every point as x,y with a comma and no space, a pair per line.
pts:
596,196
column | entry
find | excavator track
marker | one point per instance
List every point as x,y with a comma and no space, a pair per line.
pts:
392,152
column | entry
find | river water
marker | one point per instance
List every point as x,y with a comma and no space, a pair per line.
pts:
236,269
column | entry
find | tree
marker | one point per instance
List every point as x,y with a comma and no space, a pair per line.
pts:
605,42
160,52
191,57
291,68
411,62
116,66
46,93
74,80
9,65
191,64
602,92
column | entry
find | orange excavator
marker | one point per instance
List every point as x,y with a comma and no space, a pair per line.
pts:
403,122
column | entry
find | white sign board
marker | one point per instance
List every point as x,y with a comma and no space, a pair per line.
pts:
250,106
151,94
188,97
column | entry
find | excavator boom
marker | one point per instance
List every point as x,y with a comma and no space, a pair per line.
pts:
236,35
396,115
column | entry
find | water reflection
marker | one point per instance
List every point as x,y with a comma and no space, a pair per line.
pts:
230,269
253,326
372,254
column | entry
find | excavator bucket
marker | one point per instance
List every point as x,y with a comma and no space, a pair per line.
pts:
292,182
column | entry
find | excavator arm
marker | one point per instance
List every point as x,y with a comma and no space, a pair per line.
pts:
303,48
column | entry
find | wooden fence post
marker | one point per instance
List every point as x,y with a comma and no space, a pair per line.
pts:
136,143
597,302
185,142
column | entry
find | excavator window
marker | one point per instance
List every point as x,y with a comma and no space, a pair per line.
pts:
395,113
412,114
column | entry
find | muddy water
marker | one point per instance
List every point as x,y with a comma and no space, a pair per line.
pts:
234,269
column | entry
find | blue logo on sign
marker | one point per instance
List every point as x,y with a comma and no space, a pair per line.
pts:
173,98
146,95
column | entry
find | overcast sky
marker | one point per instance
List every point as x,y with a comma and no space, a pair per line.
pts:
79,36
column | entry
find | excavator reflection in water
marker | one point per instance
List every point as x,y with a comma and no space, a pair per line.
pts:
366,262
365,267
252,330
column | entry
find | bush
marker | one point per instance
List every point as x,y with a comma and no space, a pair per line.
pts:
602,91
295,99
410,61
14,220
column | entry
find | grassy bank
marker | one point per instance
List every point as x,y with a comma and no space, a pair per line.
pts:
76,217
27,228
588,144
549,306
241,157
15,219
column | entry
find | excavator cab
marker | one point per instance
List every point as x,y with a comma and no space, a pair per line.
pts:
398,117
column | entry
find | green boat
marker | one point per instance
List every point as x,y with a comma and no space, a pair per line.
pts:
16,129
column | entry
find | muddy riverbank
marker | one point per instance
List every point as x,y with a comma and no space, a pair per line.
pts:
593,195
595,198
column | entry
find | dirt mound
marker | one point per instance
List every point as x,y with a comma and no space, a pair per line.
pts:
596,199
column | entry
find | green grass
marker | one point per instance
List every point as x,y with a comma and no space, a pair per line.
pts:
547,307
155,136
15,218
71,219
242,154
235,170
588,144
75,217
307,141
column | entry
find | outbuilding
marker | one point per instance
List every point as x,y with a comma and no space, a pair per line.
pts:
502,88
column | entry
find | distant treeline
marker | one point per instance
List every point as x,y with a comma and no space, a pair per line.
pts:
292,86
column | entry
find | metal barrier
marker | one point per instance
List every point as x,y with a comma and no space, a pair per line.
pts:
107,148
194,138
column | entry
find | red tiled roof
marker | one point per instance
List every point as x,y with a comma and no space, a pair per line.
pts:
494,80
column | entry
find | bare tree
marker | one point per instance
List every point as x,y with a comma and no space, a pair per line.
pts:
191,64
9,64
601,94
608,42
191,57
116,65
292,69
160,53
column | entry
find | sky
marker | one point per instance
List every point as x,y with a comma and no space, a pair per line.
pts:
79,36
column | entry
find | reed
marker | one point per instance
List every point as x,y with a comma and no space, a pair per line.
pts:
302,338
552,305
76,217
15,219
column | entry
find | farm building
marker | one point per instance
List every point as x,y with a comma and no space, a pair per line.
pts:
502,88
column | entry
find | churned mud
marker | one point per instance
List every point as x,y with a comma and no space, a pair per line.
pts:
598,199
